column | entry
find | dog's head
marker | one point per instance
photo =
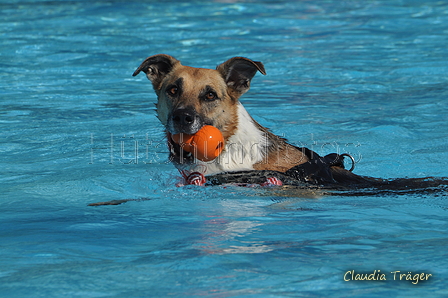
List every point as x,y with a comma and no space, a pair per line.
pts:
189,98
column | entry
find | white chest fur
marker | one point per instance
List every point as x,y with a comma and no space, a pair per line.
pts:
242,150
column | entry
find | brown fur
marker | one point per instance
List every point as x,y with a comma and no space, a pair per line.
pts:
281,156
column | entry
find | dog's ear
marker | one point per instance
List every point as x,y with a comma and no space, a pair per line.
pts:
156,68
238,72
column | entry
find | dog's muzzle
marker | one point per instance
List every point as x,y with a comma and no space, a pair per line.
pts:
185,121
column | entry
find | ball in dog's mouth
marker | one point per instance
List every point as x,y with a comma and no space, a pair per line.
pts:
205,145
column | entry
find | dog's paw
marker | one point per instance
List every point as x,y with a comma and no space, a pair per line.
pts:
272,181
195,178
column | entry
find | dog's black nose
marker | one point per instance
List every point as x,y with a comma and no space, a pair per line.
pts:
184,117
186,121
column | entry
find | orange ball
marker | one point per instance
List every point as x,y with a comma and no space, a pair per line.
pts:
206,144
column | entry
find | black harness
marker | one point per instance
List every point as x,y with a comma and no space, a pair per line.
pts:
317,170
328,172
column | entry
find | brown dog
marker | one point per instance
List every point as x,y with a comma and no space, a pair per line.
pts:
189,98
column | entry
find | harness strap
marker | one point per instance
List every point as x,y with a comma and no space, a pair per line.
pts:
317,169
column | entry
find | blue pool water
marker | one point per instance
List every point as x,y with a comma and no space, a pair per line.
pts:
365,77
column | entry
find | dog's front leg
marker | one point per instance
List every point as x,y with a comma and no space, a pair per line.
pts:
272,181
195,178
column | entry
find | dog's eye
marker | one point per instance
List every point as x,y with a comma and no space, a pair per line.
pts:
210,96
173,90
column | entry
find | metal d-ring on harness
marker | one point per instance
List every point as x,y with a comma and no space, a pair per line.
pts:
319,169
352,159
